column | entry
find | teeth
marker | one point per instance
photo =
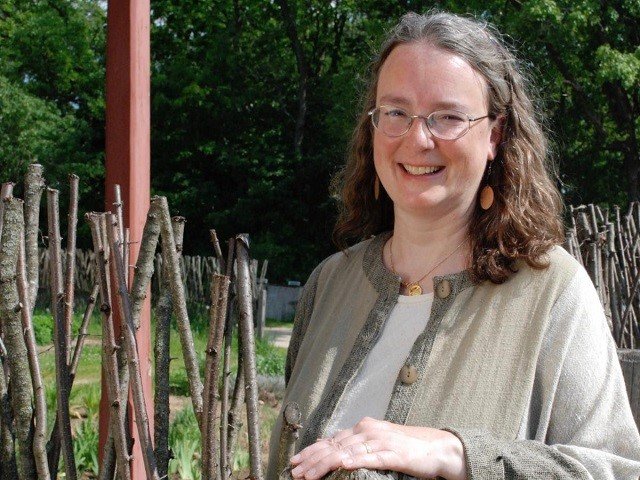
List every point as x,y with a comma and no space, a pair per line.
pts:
420,170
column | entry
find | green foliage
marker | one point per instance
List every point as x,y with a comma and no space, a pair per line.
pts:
43,328
85,446
270,359
184,442
226,101
52,94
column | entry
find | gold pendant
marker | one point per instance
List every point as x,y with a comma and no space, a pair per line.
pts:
414,289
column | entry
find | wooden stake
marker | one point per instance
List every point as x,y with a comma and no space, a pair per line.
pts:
245,307
117,430
164,308
124,304
70,276
33,188
180,308
40,423
217,315
60,339
21,392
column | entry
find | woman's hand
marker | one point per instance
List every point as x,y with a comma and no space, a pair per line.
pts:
377,445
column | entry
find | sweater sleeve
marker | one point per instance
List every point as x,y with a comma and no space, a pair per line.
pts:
304,308
579,423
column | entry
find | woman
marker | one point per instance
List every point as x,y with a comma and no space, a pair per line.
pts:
461,341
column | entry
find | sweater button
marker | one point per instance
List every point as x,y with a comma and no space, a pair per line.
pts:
408,374
443,289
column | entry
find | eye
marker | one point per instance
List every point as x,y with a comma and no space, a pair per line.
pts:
449,117
395,112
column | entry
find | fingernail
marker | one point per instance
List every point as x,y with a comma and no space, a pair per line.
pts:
295,458
347,461
296,471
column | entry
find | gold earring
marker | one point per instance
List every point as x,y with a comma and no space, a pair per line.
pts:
486,194
376,188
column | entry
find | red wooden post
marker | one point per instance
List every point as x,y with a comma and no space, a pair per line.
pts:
128,161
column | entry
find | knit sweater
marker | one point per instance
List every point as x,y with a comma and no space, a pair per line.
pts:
527,398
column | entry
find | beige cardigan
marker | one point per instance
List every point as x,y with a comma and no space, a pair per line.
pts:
477,365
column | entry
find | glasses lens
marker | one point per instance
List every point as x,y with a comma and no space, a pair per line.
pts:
448,124
392,121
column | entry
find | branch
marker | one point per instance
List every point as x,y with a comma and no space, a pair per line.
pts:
117,434
180,308
217,320
33,188
248,353
225,415
119,215
289,435
129,336
69,288
54,451
163,357
217,249
8,467
144,265
40,432
6,191
21,390
59,339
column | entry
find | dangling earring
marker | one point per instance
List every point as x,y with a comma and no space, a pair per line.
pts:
486,194
376,188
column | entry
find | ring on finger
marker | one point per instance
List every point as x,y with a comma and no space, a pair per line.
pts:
367,447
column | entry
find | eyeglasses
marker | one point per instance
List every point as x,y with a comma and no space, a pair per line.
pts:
443,124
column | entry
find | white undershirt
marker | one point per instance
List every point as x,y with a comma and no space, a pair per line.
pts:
369,392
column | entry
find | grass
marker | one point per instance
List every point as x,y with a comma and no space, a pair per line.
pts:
184,436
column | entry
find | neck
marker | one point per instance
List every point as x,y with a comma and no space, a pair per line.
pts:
419,245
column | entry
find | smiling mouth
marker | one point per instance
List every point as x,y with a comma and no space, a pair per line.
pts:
413,170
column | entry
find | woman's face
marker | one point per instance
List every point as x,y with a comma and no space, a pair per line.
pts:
421,173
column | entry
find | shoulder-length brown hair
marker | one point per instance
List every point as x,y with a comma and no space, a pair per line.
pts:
525,219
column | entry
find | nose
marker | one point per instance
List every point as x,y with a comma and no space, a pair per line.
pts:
420,134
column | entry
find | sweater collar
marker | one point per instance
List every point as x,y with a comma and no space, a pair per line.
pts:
385,281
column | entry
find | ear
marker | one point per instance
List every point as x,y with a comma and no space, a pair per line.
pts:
495,137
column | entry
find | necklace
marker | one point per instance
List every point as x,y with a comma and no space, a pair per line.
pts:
414,288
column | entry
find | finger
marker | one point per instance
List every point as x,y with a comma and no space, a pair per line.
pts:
319,463
312,450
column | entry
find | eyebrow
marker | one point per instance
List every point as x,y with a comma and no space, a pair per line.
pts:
442,105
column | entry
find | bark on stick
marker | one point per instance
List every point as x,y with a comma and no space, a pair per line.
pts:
8,467
129,335
291,417
21,391
164,308
245,308
218,313
75,359
180,308
237,399
40,424
144,265
117,435
217,249
70,253
33,188
59,341
119,206
83,332
226,370
6,191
